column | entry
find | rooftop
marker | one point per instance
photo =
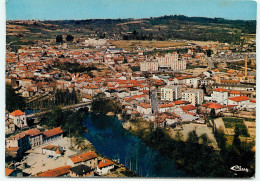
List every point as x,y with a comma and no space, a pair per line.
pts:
81,169
83,157
55,172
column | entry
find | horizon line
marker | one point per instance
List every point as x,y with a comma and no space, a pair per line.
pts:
130,18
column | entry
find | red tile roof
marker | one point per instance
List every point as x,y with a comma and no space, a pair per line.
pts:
229,81
30,132
166,105
254,101
235,92
178,102
144,105
239,98
8,171
220,90
83,157
104,163
17,113
52,132
213,105
188,107
56,172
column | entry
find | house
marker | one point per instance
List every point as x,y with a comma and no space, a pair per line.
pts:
87,158
189,109
25,140
166,107
81,171
9,126
144,108
52,150
219,95
52,135
217,107
105,166
57,172
19,118
234,93
239,101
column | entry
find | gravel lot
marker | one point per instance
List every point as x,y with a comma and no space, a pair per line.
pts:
38,162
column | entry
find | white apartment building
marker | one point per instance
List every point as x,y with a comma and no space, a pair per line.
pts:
149,66
171,60
95,42
194,96
171,92
192,82
220,96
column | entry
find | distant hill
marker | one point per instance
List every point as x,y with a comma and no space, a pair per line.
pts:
155,28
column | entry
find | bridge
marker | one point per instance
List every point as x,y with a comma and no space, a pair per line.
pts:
70,107
239,60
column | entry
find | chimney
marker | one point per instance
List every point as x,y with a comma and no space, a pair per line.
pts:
246,65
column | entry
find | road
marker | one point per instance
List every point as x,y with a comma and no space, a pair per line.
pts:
210,63
154,103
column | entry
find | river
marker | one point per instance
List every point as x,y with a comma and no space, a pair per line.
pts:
110,139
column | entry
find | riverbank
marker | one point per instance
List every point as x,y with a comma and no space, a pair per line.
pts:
194,155
81,144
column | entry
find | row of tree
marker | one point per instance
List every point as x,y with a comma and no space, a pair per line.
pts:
69,121
195,155
13,100
101,104
59,38
64,97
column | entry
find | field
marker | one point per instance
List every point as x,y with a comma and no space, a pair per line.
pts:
132,44
231,123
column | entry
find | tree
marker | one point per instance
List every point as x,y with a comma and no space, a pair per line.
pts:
209,52
13,100
213,113
193,137
59,39
69,37
236,140
178,136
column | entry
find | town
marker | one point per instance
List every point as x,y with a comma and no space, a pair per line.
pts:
178,86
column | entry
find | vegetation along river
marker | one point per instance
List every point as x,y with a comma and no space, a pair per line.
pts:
110,139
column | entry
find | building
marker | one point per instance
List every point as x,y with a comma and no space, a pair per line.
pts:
219,95
105,166
171,93
239,101
19,118
81,171
87,158
194,96
144,108
206,108
52,135
170,60
150,66
52,150
25,140
57,172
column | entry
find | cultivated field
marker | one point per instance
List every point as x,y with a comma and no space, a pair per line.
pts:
130,44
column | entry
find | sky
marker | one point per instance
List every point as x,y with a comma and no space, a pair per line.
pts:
101,9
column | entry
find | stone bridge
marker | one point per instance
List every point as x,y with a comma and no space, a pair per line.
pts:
70,107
